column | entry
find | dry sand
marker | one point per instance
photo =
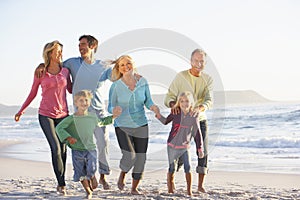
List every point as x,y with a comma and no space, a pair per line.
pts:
20,179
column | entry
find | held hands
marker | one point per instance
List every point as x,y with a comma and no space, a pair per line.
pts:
40,70
155,109
71,140
117,111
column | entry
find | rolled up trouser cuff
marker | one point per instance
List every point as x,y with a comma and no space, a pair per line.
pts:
106,172
137,176
201,170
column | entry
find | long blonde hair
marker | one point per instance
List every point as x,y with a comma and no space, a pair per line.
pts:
116,74
188,95
48,48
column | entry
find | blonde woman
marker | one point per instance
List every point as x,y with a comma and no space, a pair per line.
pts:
131,92
53,107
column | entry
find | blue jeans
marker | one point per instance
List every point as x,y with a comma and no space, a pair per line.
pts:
102,142
174,155
58,149
85,164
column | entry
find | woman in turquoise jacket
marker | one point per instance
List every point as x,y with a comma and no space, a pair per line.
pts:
131,92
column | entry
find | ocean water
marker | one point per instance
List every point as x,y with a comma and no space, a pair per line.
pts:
256,138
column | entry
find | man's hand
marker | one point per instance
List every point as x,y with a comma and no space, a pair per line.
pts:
200,153
196,111
174,109
40,70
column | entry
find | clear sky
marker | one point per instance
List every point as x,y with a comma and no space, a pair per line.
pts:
253,44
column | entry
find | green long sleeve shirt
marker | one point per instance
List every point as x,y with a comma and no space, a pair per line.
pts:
82,129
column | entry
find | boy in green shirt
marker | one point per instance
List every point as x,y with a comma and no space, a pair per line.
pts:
77,131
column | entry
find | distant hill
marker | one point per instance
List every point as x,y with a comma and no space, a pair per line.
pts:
12,110
230,98
227,97
242,97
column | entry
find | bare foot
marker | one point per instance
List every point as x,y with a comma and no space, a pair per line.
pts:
104,184
201,189
135,192
89,195
190,193
61,190
93,183
120,185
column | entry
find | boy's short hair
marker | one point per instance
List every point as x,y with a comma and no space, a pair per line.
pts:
83,93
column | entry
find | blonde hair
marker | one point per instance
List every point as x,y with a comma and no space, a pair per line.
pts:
116,74
188,95
48,48
83,93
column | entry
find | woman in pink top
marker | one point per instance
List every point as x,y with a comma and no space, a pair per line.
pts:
53,107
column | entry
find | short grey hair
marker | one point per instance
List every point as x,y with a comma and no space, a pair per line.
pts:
198,51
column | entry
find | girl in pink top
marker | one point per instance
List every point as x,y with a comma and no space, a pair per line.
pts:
53,107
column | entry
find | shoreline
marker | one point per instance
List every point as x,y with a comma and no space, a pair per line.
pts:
23,179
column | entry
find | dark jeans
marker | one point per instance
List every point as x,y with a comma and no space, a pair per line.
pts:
58,149
202,162
134,144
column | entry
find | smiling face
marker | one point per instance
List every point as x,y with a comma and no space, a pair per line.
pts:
56,54
125,65
198,63
82,103
84,49
185,104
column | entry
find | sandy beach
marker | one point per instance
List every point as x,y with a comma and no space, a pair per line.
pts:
20,179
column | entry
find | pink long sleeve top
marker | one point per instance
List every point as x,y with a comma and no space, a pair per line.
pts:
54,102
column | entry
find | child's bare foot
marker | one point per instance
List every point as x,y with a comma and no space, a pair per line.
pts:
104,184
201,189
93,183
189,192
135,192
89,195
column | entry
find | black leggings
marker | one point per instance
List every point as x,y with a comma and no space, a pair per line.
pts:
134,144
58,149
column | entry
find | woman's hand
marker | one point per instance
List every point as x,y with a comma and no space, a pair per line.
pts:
155,109
17,117
117,111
